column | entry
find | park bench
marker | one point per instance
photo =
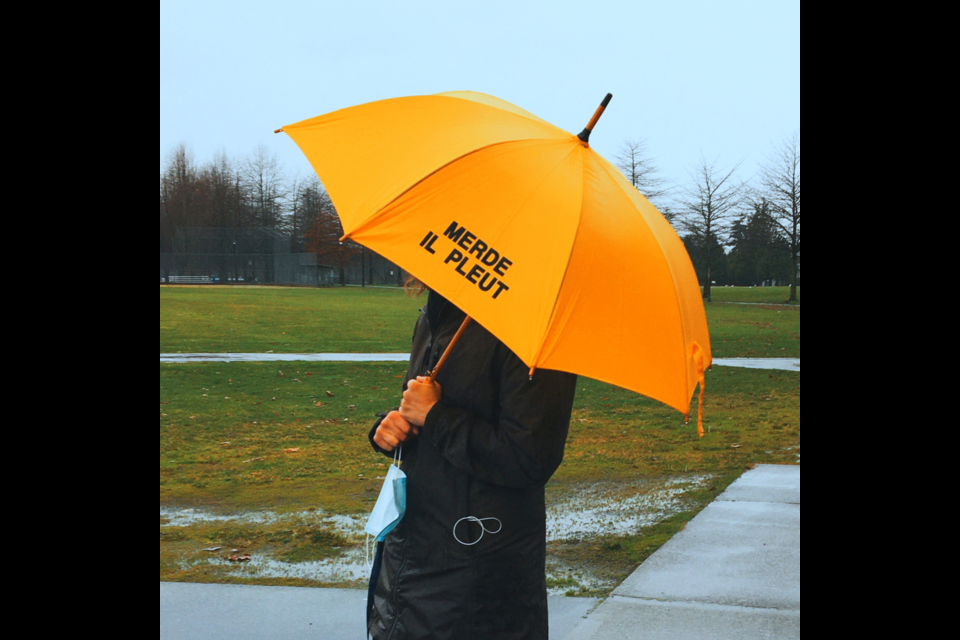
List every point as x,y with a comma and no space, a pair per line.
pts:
191,280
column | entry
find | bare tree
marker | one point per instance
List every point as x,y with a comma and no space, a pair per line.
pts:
296,213
221,206
707,208
266,187
324,230
178,190
780,180
640,169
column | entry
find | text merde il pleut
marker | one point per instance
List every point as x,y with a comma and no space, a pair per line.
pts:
484,260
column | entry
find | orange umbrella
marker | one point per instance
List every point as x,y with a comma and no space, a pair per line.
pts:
526,228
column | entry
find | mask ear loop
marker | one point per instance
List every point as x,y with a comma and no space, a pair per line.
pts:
398,452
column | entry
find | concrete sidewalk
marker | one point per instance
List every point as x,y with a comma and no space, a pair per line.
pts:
223,612
733,573
773,364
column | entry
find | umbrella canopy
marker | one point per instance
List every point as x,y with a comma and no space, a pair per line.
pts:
526,228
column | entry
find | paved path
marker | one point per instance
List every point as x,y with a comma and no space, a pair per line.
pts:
774,364
734,572
187,358
779,364
221,612
763,304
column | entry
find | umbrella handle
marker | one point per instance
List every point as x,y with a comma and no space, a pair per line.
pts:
585,136
450,347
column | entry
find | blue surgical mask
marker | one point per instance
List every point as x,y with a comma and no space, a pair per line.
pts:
392,504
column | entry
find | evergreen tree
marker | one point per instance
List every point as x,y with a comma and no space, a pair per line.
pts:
759,252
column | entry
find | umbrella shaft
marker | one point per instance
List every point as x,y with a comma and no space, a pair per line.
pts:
450,347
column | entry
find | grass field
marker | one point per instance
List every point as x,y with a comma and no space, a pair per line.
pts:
290,440
225,429
263,320
753,295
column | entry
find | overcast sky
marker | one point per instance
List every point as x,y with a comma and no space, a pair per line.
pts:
717,77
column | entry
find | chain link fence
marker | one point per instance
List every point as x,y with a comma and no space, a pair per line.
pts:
263,256
289,269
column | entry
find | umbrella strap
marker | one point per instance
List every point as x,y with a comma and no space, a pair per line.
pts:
701,372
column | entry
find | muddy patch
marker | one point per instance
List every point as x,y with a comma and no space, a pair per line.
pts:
575,514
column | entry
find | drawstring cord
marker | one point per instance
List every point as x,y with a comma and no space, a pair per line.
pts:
701,372
480,522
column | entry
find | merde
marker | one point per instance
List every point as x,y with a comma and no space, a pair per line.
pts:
485,255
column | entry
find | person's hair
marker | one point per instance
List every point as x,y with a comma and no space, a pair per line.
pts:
414,287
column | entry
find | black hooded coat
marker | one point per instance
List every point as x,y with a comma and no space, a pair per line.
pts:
486,450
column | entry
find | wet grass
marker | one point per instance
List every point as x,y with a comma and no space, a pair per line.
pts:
232,320
243,436
738,331
184,556
288,438
253,436
228,435
752,417
283,320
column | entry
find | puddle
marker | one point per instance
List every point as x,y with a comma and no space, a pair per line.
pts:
790,449
188,358
573,514
350,567
781,364
608,508
769,364
349,526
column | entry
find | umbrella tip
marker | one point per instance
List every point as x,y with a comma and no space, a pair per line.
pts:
279,131
585,135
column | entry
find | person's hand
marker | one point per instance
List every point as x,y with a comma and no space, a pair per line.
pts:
419,399
393,432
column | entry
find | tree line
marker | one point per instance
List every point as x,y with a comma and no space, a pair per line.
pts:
738,231
742,232
246,193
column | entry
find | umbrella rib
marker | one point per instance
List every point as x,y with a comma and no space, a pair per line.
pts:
379,212
566,271
673,276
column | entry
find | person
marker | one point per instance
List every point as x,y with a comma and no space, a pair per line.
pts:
468,560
